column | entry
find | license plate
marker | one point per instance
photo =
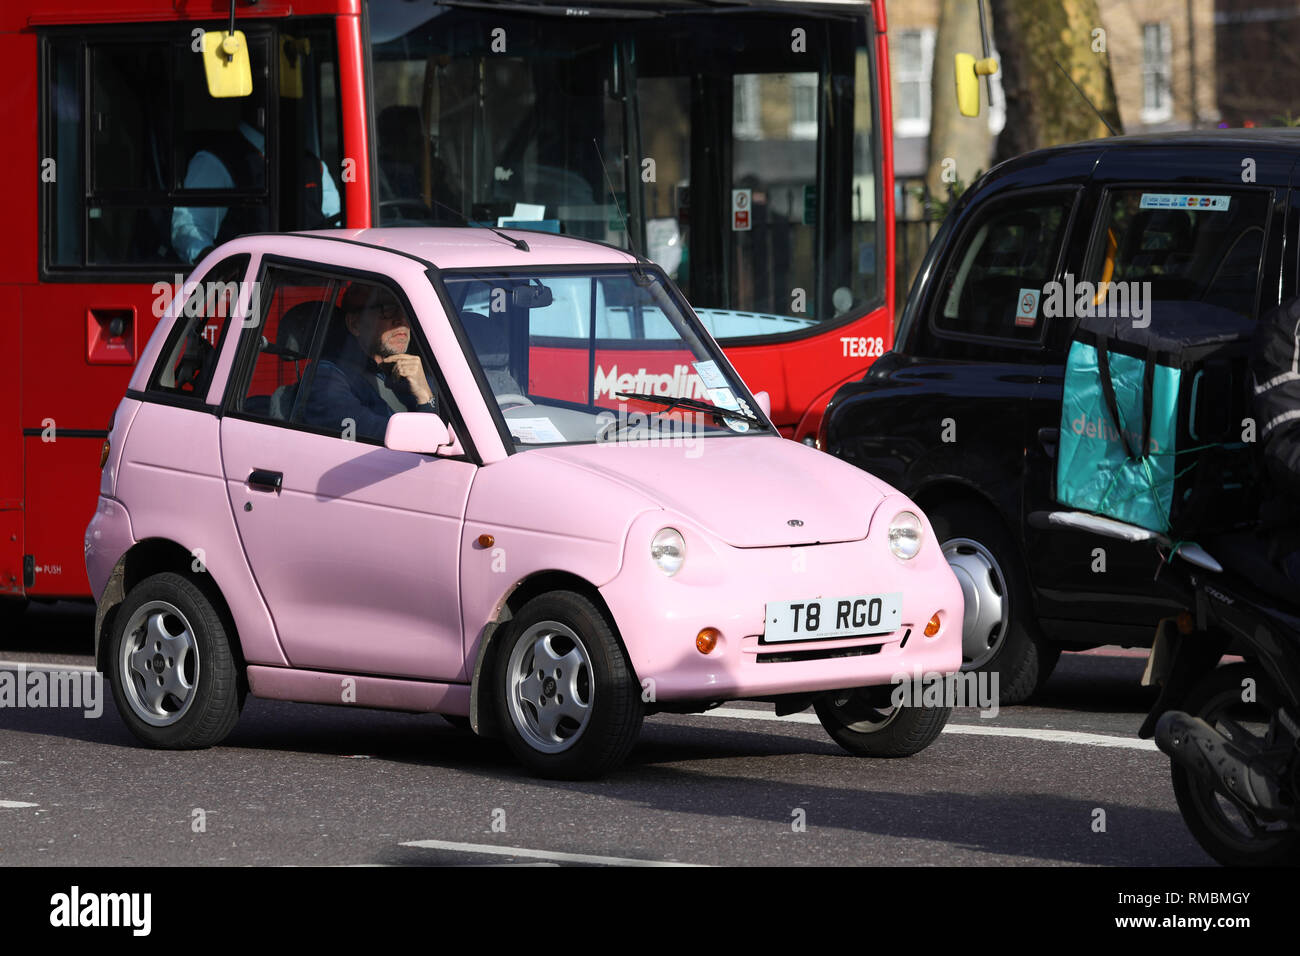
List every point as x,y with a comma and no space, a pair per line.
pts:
828,618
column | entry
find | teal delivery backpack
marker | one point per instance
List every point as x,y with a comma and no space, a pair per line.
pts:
1152,418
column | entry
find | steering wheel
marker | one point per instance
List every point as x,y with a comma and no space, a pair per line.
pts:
509,400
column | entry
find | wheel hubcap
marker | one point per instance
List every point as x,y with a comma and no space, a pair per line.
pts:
984,589
159,663
549,687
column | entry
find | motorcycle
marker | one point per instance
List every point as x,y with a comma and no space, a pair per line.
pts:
1231,730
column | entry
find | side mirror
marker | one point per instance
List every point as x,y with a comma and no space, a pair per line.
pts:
420,432
764,402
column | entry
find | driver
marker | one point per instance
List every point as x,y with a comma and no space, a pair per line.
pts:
238,161
372,376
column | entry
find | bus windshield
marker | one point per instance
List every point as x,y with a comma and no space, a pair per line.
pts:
732,146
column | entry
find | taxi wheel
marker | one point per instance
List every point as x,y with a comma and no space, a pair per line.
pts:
999,633
174,679
566,698
866,723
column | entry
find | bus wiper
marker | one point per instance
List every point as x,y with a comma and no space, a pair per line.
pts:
717,411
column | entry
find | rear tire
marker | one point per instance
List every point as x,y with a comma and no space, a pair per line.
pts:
175,680
866,724
1231,835
999,633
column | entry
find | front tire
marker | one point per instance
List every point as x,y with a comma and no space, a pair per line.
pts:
174,678
1231,834
866,723
999,634
566,697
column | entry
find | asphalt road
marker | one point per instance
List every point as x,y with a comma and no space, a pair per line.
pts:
1062,782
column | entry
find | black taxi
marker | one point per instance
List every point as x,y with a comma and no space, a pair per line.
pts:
964,415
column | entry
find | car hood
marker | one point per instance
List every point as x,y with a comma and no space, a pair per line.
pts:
751,492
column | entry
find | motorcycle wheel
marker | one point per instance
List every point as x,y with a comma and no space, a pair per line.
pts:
1232,834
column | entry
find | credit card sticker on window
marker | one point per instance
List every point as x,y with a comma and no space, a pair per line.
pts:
1183,201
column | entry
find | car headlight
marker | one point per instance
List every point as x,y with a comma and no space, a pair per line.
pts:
668,551
905,534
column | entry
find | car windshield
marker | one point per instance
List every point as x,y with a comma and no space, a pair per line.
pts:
600,355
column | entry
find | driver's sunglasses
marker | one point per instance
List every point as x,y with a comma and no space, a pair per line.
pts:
389,311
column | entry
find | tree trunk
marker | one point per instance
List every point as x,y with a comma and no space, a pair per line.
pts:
1043,108
959,145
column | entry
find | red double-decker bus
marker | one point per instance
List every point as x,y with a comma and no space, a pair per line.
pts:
745,148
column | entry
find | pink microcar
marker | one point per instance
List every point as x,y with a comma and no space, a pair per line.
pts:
507,477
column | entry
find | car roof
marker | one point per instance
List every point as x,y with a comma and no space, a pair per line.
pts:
462,247
1086,151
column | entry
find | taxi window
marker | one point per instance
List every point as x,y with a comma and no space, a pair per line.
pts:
994,284
1181,245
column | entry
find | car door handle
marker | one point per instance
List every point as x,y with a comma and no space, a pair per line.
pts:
269,480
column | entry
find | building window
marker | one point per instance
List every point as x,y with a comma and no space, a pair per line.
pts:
912,62
803,100
1157,101
745,111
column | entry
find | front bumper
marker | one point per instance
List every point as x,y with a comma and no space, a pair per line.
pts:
727,588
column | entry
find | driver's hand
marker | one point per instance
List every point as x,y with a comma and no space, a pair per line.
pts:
410,369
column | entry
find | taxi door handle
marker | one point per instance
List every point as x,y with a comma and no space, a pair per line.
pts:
267,480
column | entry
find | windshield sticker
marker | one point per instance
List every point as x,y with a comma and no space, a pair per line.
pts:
1027,309
534,431
723,398
1183,201
710,375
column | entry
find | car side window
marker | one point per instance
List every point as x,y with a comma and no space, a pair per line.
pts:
337,356
190,356
1183,245
994,285
295,307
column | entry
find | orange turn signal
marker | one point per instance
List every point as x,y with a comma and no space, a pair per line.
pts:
103,454
707,640
486,541
1185,623
932,628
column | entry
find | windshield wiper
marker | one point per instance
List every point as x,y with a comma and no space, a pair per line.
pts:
717,411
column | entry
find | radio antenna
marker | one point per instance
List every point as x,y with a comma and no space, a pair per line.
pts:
631,239
518,243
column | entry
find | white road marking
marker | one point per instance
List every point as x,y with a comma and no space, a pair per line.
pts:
494,850
47,666
1030,733
16,805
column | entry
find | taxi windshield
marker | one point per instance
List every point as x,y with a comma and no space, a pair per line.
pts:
600,355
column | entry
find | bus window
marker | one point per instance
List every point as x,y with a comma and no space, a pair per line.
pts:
167,171
742,162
